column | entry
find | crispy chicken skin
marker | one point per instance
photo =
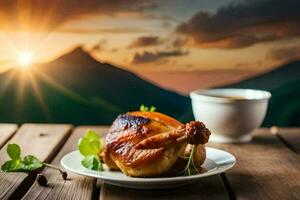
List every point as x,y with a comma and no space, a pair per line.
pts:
145,144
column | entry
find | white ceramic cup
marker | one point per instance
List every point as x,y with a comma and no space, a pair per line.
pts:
230,114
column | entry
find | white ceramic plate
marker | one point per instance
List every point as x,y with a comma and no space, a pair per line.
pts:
217,161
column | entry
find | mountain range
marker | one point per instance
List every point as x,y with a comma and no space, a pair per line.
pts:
76,88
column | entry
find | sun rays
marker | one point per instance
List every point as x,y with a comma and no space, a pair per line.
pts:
25,59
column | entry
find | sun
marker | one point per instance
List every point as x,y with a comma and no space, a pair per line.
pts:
25,59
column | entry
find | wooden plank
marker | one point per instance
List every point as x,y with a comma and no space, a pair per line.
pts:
42,140
76,187
290,136
265,168
6,132
207,188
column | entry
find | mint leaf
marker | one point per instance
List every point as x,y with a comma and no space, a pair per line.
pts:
92,135
89,144
30,163
87,147
17,164
92,162
14,151
11,166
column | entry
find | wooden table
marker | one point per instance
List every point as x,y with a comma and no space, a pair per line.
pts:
267,168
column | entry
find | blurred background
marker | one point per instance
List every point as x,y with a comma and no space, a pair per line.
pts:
85,62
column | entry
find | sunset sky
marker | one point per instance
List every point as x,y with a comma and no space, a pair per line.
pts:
177,35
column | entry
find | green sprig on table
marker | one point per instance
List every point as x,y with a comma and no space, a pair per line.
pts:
27,164
90,146
19,164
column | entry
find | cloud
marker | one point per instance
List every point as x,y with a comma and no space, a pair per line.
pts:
102,30
99,46
156,16
145,41
284,54
243,24
166,25
37,14
178,42
148,56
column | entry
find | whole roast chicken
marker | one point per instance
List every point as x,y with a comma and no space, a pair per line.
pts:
147,144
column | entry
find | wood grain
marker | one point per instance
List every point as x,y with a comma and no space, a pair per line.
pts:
290,136
76,187
42,140
6,132
265,169
207,188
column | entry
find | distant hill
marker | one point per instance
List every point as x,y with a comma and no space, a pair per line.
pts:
284,84
75,88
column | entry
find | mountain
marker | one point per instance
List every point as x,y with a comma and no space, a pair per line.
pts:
284,84
75,88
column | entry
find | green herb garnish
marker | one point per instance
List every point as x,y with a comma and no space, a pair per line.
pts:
144,108
27,164
17,164
90,146
92,162
190,168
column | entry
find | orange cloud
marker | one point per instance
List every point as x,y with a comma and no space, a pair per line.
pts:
42,14
145,41
101,30
148,56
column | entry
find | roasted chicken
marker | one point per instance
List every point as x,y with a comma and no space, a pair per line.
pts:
145,144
